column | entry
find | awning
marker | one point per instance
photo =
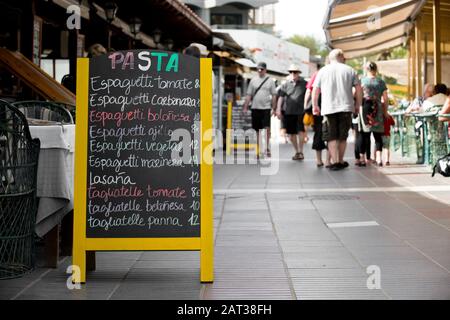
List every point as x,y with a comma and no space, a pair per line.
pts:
218,3
369,26
227,40
246,62
35,77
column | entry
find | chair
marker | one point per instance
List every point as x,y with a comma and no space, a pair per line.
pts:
412,144
69,107
445,129
44,110
398,133
18,203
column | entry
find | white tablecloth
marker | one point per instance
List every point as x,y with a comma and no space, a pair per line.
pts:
55,174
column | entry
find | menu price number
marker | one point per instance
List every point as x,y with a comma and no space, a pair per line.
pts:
195,192
195,177
197,117
194,161
195,127
194,145
194,220
195,205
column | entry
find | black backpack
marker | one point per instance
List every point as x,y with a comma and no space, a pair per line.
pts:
442,166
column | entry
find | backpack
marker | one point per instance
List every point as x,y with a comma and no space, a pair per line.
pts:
442,166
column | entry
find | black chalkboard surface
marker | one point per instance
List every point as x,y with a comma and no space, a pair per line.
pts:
135,188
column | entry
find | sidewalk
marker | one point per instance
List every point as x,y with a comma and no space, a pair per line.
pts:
305,233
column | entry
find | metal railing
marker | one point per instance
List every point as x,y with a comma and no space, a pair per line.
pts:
421,135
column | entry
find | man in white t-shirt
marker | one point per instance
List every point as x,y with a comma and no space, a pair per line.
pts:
336,82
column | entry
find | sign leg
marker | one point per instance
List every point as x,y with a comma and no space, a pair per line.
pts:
207,262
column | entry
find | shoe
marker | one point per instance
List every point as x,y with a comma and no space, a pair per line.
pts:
362,164
268,154
387,163
340,165
344,164
336,167
320,165
380,164
298,156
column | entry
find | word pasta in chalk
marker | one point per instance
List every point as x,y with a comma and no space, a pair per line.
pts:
166,62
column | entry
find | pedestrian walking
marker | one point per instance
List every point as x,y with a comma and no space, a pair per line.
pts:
318,142
283,133
262,95
371,115
291,100
335,83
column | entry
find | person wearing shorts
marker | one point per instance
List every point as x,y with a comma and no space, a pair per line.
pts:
261,119
291,100
262,94
335,83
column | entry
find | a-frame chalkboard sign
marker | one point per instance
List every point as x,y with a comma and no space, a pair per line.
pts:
143,171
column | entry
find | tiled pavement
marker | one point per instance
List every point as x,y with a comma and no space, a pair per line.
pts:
272,241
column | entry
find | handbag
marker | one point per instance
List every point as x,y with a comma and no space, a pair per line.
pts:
308,119
442,166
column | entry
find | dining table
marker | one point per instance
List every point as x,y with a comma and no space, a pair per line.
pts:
55,178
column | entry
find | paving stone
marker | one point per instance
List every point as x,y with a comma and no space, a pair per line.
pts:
333,216
276,245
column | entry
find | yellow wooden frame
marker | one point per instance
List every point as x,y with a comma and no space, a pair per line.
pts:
236,146
82,244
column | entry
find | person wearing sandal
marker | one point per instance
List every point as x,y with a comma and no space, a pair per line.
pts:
375,93
262,95
291,100
335,83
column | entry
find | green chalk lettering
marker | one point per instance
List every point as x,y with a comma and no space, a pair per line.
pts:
173,63
160,56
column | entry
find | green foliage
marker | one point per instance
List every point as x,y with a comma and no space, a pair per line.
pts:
398,53
316,46
389,80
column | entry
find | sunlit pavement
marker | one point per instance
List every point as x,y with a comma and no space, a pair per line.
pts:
303,233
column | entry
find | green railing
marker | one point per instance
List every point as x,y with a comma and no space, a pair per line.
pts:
421,136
